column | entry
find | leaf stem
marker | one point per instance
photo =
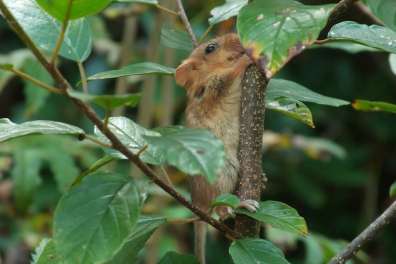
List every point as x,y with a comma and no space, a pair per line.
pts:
97,141
83,75
167,10
61,37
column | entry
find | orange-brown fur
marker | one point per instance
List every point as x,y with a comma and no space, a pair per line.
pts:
213,85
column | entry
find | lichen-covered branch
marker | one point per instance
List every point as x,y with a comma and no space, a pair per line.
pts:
251,131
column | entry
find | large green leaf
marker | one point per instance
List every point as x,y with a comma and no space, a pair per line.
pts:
35,97
93,219
25,175
278,88
135,241
227,199
227,10
134,69
373,36
131,135
79,9
176,258
385,10
291,108
374,106
10,130
347,46
108,102
45,253
44,30
193,151
280,29
175,39
256,251
279,215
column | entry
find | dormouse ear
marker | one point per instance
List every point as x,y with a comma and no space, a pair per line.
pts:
184,73
232,42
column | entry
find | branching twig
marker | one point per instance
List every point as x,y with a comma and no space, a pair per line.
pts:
116,143
367,234
83,75
186,23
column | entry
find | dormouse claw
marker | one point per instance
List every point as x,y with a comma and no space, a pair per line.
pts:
250,205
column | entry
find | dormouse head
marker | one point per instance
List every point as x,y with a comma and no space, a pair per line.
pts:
208,60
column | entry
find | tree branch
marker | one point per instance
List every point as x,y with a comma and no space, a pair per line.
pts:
116,143
251,131
369,233
186,23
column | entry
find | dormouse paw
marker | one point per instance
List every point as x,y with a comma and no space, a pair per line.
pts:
250,205
224,212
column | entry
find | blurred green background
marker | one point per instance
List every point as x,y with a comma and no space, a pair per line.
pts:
337,194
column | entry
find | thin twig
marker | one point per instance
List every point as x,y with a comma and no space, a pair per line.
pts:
369,233
183,16
96,141
61,37
116,143
83,75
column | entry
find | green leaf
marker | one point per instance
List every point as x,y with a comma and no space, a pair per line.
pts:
150,2
45,253
280,29
134,69
10,130
374,106
176,258
93,219
385,10
193,151
256,251
347,46
131,135
227,10
136,240
282,88
26,175
392,190
226,199
108,102
44,30
35,97
62,166
392,62
14,59
79,9
373,36
291,108
175,39
279,215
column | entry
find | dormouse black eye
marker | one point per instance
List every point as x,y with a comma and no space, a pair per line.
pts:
210,48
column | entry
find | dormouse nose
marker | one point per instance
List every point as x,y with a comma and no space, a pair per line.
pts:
184,72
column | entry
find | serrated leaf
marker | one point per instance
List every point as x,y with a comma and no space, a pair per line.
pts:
176,258
45,253
26,175
226,199
10,130
93,219
291,108
373,36
193,151
385,10
44,30
131,135
392,190
229,9
282,88
374,106
256,251
79,9
108,102
280,29
136,240
134,69
279,215
392,62
175,39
